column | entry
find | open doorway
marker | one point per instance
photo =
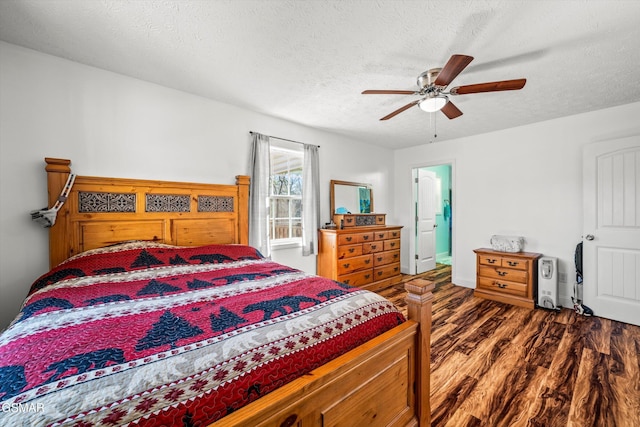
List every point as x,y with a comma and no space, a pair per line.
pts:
433,201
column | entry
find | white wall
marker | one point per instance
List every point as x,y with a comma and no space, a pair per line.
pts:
113,125
522,181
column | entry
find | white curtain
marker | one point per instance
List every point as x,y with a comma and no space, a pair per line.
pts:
259,194
310,200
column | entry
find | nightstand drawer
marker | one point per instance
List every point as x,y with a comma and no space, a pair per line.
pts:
348,251
503,286
358,278
520,264
496,261
508,274
348,265
386,258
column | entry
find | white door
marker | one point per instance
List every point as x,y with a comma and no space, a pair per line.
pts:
611,248
425,221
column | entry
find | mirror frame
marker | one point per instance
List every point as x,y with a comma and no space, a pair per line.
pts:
335,182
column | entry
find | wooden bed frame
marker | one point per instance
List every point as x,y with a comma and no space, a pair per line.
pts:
382,382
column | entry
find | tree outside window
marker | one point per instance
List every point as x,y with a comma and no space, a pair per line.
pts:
285,211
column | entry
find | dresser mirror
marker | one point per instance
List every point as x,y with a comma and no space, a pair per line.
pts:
351,197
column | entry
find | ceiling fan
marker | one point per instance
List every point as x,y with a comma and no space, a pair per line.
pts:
432,85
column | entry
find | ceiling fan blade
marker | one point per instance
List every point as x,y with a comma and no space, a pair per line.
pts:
452,68
489,87
400,110
389,92
451,110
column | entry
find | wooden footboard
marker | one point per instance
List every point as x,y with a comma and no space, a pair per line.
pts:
384,382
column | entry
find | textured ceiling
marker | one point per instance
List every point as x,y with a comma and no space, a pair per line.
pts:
308,61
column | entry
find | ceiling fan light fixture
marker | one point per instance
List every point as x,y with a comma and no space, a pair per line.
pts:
433,104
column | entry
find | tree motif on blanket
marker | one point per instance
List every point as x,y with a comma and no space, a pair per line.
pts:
145,259
168,330
227,320
199,284
177,260
279,305
155,287
85,362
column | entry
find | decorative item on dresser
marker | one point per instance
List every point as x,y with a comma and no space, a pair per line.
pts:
509,277
368,257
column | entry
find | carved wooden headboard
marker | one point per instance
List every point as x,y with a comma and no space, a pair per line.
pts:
104,211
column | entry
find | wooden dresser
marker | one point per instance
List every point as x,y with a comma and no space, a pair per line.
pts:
367,257
507,277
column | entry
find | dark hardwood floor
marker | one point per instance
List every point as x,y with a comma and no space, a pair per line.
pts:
493,364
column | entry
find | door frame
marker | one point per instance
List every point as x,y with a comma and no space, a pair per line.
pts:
454,211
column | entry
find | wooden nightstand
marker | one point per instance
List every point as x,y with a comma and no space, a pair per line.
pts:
507,277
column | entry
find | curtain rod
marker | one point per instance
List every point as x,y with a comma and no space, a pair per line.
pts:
284,139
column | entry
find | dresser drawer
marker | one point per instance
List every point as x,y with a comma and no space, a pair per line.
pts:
348,265
520,264
391,244
381,235
349,239
503,286
348,251
368,248
504,274
394,234
358,278
384,258
386,271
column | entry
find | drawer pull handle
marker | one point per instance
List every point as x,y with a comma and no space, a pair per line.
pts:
395,255
346,281
352,250
380,236
349,220
289,421
379,273
502,273
365,237
379,258
366,276
374,246
346,265
501,285
395,268
491,261
392,244
513,263
349,239
367,261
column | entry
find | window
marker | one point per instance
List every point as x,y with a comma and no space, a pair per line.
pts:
285,198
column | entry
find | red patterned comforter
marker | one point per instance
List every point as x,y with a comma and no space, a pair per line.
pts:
160,335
